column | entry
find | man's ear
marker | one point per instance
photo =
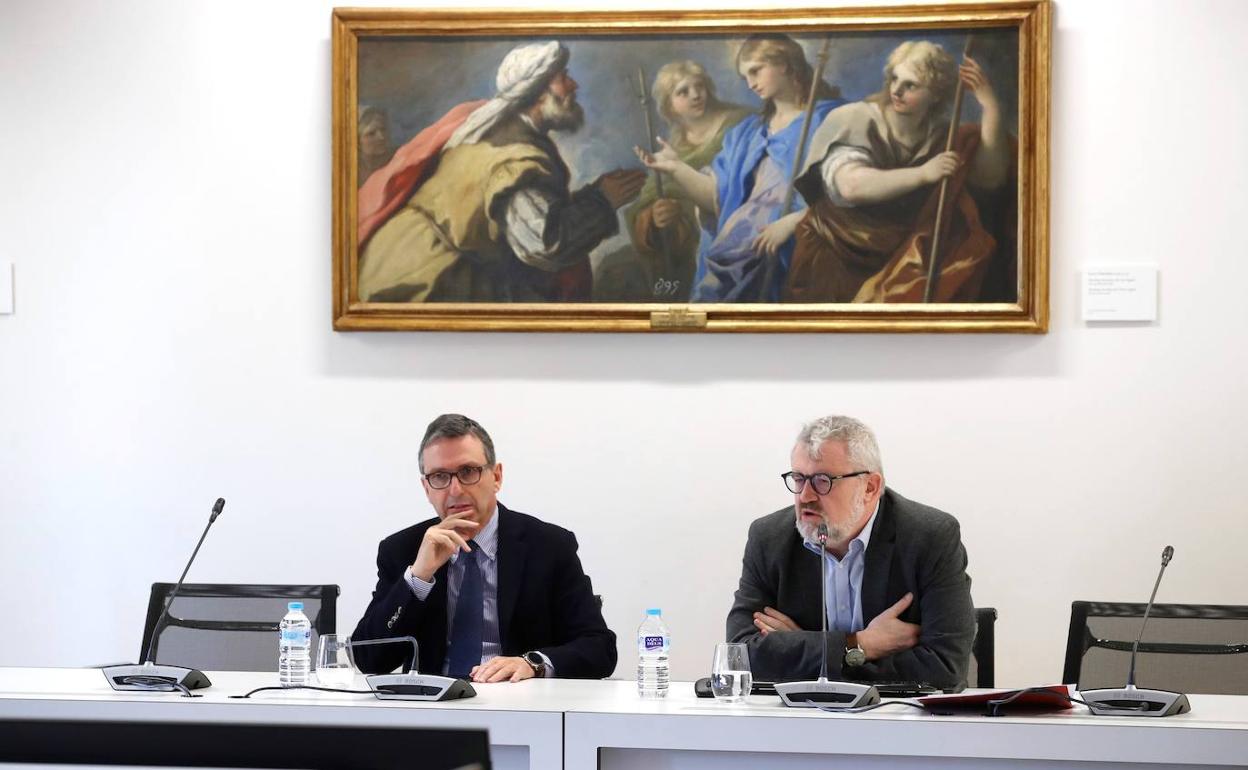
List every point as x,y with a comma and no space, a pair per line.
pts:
875,484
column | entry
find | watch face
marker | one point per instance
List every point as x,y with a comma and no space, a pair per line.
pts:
855,657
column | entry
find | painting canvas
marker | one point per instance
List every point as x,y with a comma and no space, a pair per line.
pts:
839,169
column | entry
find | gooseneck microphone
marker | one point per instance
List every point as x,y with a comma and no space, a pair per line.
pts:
821,693
1131,700
821,537
150,676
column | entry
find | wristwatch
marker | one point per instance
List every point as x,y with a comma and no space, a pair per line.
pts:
536,663
854,656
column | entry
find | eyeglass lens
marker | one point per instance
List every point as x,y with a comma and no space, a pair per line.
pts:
469,474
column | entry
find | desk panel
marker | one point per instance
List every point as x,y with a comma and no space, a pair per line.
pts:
524,735
687,733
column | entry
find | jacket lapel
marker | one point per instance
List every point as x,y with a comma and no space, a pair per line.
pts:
512,552
879,561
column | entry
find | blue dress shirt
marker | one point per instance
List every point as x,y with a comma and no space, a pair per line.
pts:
844,580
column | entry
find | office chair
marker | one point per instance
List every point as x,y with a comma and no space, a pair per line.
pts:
231,627
1189,648
982,671
221,744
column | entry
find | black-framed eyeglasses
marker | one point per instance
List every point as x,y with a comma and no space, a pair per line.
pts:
821,482
467,475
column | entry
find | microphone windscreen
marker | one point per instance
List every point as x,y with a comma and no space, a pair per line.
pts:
217,508
1167,555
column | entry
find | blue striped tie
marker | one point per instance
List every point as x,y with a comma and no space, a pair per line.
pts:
469,610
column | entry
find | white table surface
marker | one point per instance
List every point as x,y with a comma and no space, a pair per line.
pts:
573,724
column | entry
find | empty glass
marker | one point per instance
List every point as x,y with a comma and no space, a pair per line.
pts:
335,664
730,672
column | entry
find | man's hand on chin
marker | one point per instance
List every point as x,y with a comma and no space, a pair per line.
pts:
502,669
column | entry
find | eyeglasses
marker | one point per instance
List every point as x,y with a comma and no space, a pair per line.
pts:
821,482
469,474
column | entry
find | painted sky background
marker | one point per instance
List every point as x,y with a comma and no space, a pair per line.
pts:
416,80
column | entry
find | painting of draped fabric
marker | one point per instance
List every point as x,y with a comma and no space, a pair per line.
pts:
839,169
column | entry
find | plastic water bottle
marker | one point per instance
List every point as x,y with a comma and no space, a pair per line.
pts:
294,657
653,641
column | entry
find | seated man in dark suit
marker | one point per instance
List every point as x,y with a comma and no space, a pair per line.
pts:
898,596
489,593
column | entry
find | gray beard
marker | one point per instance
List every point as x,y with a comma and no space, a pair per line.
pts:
810,532
562,116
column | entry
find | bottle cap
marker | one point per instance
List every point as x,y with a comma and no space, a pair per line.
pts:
654,611
295,606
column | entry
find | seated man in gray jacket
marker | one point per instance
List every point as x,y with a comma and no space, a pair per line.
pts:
898,596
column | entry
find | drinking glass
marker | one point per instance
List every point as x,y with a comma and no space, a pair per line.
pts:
335,664
730,672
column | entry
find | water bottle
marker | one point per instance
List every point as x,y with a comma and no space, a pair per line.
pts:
653,641
294,657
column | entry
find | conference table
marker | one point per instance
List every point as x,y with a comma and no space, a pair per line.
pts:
578,725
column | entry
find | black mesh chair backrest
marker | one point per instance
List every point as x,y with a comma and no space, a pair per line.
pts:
231,627
982,672
1188,648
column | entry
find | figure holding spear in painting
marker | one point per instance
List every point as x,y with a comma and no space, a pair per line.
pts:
874,175
478,206
740,200
663,221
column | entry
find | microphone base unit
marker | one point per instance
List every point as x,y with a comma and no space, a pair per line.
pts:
828,695
1124,702
154,677
426,687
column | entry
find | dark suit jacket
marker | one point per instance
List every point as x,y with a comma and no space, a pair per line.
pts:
913,548
545,603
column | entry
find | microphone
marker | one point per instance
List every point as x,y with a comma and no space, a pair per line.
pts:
411,685
1131,701
821,693
150,676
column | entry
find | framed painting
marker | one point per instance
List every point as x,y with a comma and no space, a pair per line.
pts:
832,169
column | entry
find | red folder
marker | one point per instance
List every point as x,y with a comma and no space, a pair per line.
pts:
1054,696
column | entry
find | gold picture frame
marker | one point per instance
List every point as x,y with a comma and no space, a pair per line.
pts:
400,74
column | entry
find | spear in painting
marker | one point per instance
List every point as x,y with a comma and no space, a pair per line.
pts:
643,96
933,259
773,261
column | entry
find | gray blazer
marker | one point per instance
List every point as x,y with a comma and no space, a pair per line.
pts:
913,548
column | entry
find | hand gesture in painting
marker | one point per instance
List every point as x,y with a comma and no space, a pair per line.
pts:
698,186
976,81
620,186
990,166
665,212
776,234
666,159
939,167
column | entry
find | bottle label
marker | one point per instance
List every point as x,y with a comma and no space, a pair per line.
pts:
652,643
297,637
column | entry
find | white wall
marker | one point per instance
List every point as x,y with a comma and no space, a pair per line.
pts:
166,201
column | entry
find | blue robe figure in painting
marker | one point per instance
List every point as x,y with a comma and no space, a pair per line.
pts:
741,197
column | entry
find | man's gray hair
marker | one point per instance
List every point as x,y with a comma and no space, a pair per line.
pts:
454,426
858,439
